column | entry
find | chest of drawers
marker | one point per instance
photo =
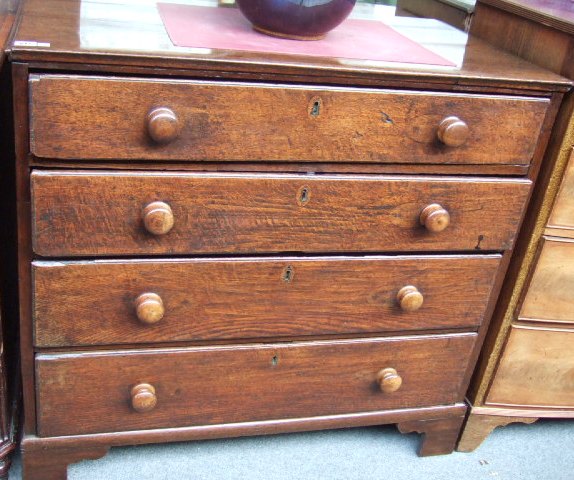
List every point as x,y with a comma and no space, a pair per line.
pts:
232,244
526,370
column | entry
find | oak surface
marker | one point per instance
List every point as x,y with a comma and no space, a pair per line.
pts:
98,118
202,299
100,213
305,382
239,383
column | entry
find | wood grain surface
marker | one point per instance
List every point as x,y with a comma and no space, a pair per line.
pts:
93,303
478,427
550,295
90,213
561,218
97,118
526,31
536,369
218,385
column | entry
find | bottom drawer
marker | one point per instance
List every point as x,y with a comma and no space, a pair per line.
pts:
242,383
536,369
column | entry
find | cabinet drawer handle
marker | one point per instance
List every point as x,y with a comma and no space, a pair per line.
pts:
389,380
435,218
409,298
143,397
162,125
453,132
149,308
158,218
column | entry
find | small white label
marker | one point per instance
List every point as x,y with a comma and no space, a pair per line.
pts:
22,43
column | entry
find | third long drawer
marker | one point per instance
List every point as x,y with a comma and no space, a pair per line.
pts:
145,301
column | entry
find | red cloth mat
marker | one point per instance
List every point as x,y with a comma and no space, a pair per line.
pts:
227,29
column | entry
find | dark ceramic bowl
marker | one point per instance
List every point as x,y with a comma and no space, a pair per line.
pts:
296,19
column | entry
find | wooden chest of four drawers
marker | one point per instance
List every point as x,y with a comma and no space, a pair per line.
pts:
225,254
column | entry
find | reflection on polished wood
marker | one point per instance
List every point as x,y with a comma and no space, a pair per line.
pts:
121,42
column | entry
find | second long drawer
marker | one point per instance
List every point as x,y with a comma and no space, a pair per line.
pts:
113,213
139,301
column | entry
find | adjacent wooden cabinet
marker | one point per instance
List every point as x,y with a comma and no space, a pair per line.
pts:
9,367
526,370
233,243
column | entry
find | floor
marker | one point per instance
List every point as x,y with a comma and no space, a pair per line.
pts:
542,451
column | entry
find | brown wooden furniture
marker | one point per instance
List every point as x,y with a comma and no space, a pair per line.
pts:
9,366
525,371
228,243
457,13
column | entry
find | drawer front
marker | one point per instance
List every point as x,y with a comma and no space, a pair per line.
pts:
536,369
91,303
562,215
115,119
215,385
550,295
84,213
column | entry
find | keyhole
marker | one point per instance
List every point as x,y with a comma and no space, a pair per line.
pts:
316,108
288,274
303,195
274,360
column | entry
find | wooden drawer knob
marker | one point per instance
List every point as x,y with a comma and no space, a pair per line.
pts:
389,380
410,299
162,125
149,308
435,218
453,132
158,218
143,397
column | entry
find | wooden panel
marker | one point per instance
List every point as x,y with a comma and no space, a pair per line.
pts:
213,385
85,303
83,213
562,215
96,118
536,369
550,295
533,40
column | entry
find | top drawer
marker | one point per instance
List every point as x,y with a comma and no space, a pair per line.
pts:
118,119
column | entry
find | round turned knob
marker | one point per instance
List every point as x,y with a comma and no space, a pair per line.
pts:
453,132
143,397
158,218
435,218
162,125
389,380
409,298
149,308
